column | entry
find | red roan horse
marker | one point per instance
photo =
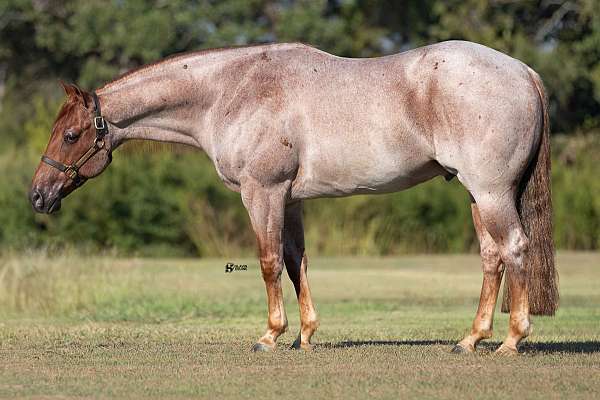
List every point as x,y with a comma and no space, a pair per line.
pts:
287,122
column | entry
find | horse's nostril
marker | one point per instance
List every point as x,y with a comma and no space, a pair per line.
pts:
37,200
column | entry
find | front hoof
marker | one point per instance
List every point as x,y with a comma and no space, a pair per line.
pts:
460,349
261,347
505,350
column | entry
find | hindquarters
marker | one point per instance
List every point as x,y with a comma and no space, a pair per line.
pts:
504,162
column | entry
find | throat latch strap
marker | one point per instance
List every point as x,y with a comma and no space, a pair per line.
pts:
99,122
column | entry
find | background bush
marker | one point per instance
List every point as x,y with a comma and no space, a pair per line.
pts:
169,202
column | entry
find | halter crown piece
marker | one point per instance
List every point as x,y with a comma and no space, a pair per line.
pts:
72,170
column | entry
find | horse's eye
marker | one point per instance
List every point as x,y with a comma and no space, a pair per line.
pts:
71,136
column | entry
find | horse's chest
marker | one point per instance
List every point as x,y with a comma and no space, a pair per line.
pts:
228,171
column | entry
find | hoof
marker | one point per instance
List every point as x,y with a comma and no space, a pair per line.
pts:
297,345
459,349
260,347
504,350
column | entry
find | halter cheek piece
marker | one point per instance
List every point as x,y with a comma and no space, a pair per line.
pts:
72,170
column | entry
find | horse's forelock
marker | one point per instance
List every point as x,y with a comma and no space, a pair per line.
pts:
67,113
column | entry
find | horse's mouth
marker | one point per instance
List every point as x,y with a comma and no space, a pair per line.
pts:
55,206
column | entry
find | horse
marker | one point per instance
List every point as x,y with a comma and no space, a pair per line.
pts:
283,123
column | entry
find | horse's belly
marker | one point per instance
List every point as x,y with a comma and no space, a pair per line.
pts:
337,175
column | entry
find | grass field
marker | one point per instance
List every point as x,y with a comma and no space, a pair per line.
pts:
130,328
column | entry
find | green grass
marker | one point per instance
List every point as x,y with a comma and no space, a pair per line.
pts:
130,328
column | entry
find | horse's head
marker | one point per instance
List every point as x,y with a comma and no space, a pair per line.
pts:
77,150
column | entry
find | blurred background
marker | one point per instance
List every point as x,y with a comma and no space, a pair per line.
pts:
124,213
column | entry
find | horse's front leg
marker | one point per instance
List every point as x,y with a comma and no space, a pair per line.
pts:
296,264
265,205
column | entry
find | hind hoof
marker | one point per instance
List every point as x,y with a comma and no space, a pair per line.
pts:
459,349
504,350
261,347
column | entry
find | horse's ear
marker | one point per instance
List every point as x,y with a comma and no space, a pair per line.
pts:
69,88
72,90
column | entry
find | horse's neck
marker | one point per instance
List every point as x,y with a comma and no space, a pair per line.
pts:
152,105
169,101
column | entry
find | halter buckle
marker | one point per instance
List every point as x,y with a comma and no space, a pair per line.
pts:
71,172
99,123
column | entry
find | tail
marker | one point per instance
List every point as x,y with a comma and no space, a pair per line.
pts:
535,210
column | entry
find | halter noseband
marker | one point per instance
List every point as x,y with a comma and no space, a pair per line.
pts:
72,170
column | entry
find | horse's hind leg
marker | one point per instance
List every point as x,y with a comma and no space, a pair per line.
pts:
500,218
492,278
296,264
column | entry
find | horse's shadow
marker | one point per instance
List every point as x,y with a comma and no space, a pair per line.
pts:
581,347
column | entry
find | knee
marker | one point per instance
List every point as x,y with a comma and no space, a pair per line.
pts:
271,266
490,257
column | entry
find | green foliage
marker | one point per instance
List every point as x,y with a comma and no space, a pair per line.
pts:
577,193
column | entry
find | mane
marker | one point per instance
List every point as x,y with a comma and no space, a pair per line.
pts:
183,55
138,146
65,108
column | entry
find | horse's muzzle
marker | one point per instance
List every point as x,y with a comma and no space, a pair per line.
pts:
44,203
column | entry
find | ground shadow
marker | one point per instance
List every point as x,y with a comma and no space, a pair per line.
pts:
589,346
361,343
586,347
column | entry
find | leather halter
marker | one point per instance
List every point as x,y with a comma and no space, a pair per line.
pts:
72,170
